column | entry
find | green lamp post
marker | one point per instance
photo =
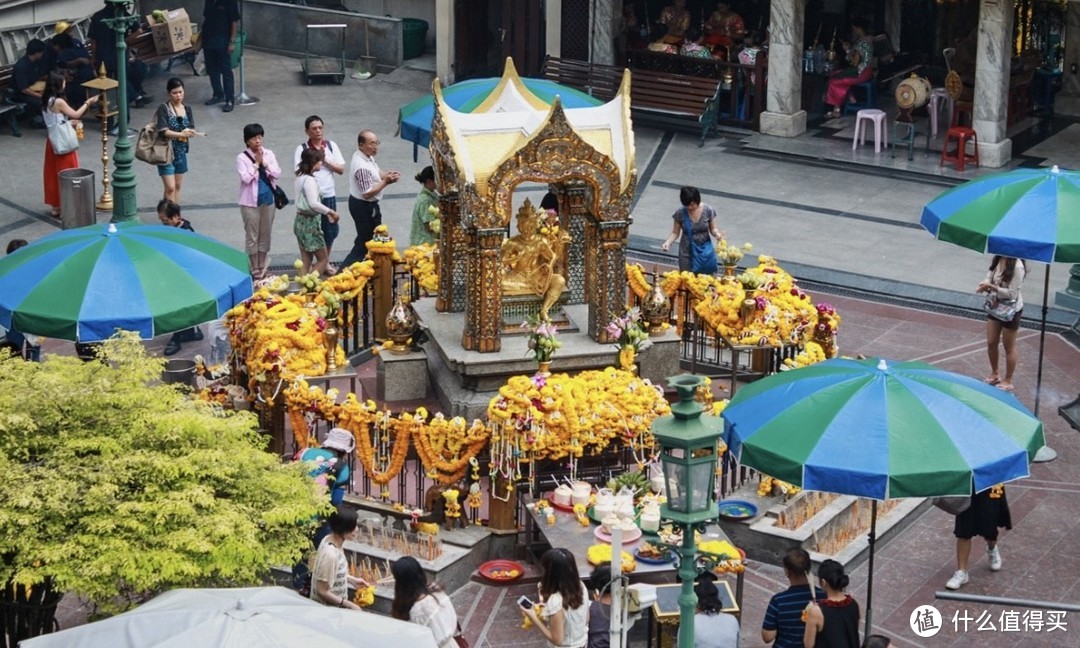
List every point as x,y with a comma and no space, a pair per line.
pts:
688,457
124,207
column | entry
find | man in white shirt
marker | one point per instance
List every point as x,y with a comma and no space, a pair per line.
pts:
366,185
333,162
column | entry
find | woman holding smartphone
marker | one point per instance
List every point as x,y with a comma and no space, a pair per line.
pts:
565,622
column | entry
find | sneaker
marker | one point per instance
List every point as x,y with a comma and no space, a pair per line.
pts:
228,107
995,559
958,579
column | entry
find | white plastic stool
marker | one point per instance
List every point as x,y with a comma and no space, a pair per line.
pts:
939,97
881,134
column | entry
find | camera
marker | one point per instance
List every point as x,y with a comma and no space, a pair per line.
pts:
525,603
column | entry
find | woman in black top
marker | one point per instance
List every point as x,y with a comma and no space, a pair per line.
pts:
832,622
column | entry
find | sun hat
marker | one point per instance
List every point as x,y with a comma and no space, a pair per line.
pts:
339,439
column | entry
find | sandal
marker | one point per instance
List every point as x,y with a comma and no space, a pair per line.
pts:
992,380
172,348
1005,388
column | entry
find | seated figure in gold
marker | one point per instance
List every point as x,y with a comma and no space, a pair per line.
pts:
532,259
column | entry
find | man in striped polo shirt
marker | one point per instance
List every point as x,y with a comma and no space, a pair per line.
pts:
783,619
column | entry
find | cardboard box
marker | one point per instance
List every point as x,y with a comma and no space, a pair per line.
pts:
173,34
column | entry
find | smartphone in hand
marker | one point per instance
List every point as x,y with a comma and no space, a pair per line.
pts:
524,603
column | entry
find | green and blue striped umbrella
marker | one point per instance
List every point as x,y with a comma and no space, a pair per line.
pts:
881,429
1029,214
1025,213
83,284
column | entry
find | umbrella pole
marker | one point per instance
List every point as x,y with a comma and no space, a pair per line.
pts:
872,538
1045,453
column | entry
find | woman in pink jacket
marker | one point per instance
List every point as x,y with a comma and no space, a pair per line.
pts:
259,171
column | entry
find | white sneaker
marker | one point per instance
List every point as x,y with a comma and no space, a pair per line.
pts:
995,559
958,579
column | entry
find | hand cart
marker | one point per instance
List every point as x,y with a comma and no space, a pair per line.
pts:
324,66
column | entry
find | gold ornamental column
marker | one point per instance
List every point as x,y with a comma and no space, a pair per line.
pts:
451,246
606,242
483,290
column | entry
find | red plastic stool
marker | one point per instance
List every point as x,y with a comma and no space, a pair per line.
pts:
961,134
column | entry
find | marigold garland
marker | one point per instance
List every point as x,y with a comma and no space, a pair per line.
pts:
278,338
447,448
423,263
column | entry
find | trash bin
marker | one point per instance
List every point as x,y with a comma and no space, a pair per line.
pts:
179,372
77,198
238,49
415,31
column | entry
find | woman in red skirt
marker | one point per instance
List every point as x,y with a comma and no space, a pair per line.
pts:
55,111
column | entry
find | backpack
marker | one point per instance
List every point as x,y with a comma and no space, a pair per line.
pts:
153,147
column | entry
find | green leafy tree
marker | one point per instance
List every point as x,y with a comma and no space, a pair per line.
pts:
117,487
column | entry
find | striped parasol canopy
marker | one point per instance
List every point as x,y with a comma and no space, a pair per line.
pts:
83,284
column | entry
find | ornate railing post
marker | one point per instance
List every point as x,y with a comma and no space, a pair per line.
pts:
605,243
483,292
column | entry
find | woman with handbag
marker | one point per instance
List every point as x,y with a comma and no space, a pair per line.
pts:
258,170
694,228
418,602
177,122
309,212
62,144
1004,307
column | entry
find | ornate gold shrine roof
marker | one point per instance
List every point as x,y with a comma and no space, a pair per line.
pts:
512,116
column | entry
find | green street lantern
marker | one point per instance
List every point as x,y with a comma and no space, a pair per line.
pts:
124,207
688,457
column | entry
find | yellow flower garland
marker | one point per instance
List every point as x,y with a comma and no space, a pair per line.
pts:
423,263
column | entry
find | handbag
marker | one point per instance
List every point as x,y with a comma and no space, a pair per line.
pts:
281,199
62,137
459,637
953,505
1003,310
702,255
153,147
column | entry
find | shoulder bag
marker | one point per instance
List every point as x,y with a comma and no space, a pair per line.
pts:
281,199
953,505
153,147
62,136
702,255
1003,310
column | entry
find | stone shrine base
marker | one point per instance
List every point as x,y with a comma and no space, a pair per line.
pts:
466,381
765,541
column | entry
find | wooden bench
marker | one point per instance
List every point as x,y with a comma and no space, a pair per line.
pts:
652,94
676,96
9,108
600,81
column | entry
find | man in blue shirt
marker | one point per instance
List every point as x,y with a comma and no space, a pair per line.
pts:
783,618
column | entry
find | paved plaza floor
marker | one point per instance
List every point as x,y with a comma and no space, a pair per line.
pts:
844,222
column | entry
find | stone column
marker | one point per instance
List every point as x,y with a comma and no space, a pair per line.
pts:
483,293
451,244
553,28
606,243
784,115
444,41
602,15
994,52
